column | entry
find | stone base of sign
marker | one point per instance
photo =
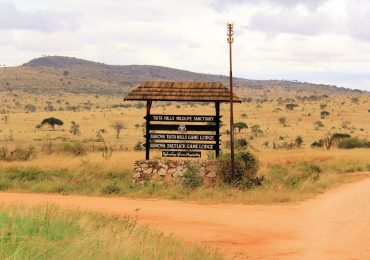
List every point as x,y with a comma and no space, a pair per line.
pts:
172,171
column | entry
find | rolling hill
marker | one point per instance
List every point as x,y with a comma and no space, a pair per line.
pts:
51,74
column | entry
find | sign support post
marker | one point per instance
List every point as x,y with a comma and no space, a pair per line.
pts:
147,134
217,106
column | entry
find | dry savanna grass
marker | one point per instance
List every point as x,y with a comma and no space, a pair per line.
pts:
288,176
271,139
18,127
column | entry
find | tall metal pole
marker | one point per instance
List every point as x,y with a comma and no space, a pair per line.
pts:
230,40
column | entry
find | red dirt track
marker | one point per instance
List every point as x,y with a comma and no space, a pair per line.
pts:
334,225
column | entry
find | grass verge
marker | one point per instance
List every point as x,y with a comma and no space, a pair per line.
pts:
294,182
47,232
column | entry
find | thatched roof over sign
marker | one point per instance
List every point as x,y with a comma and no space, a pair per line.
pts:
182,91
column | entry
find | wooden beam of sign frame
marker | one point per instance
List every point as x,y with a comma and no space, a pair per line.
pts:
183,128
183,118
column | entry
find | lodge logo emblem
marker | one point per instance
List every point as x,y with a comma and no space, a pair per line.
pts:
182,128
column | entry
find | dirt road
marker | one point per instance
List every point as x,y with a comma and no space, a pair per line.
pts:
335,225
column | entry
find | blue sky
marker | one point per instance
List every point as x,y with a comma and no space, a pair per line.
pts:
323,41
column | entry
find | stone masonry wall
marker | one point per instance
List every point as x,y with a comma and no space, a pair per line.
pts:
171,171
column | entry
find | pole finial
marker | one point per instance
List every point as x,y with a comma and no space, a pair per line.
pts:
230,32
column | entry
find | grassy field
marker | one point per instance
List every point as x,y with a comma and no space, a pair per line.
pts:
47,232
19,128
288,176
47,160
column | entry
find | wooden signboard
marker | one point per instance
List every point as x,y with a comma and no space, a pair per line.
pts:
180,126
183,118
182,137
187,154
182,146
183,128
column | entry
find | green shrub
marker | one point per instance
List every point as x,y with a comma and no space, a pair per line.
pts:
317,144
308,167
329,140
77,148
246,168
31,174
353,142
111,189
4,186
191,178
26,174
298,141
248,183
350,167
310,170
138,146
117,175
281,176
277,174
338,136
241,143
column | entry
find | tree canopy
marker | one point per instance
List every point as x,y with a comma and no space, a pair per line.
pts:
240,125
118,126
291,106
52,121
324,114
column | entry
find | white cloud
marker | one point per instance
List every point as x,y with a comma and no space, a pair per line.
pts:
335,17
292,21
40,20
357,20
222,5
318,40
56,42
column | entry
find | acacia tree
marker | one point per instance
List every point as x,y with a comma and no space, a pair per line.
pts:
52,121
324,114
329,140
118,126
290,106
240,126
